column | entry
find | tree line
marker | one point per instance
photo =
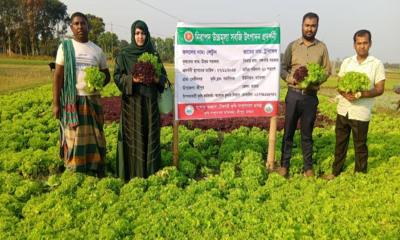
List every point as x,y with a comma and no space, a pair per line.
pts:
36,27
30,27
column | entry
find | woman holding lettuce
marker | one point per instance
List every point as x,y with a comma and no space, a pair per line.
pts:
138,150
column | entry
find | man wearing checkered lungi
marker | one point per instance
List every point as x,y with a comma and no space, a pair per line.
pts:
78,109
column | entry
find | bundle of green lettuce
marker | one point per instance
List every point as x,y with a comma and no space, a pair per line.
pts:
94,79
315,76
353,82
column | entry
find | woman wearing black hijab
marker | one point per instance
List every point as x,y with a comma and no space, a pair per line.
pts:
138,150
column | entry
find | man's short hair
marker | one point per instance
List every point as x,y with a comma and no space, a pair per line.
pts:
79,14
361,33
310,15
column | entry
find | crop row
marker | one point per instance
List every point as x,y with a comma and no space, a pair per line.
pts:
221,190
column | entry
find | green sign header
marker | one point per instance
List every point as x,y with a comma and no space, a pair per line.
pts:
228,35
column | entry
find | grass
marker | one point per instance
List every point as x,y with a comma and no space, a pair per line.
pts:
19,73
17,61
15,77
169,67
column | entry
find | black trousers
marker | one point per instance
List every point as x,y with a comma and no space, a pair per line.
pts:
304,107
344,126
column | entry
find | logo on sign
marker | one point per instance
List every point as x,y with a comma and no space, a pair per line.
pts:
188,36
268,108
189,110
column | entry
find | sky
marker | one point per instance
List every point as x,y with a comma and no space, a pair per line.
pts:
339,19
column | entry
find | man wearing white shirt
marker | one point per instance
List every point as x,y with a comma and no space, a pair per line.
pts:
354,109
82,138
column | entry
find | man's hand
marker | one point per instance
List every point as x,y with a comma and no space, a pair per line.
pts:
108,77
292,80
349,96
57,84
56,112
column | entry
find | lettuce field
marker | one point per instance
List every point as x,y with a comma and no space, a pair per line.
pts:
220,191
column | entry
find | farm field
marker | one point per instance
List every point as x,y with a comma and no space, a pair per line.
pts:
221,190
19,76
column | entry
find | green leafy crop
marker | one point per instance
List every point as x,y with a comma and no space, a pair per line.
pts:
353,82
94,79
153,59
316,75
221,184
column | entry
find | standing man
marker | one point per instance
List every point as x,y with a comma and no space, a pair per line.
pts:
82,140
302,103
354,110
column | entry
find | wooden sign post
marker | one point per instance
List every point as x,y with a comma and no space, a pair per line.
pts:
271,143
175,143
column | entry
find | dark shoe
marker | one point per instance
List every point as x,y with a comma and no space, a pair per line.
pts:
284,172
309,173
328,177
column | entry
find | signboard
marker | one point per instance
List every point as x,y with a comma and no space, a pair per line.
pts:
224,71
